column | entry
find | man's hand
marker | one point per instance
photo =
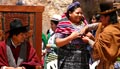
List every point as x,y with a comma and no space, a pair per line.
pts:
5,67
20,68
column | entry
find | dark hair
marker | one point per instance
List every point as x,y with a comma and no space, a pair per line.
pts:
113,18
72,9
17,31
55,22
97,16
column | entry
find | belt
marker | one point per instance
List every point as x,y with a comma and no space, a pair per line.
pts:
76,47
77,51
69,51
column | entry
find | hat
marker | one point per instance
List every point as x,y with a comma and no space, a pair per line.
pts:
56,17
17,24
73,5
107,7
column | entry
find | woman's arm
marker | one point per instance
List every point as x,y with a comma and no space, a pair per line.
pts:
63,41
89,41
89,27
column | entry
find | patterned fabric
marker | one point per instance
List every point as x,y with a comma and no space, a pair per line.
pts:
107,45
73,59
75,54
66,27
73,5
51,57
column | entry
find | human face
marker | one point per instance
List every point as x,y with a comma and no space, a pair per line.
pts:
18,39
76,15
53,26
104,20
93,19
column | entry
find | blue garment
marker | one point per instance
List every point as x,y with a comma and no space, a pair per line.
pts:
117,65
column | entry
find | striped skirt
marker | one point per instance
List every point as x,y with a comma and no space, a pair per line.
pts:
73,59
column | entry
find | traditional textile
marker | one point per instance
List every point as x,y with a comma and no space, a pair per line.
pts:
75,54
51,57
73,5
107,46
16,58
31,57
66,27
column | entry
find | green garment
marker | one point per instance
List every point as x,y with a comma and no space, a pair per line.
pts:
44,39
48,36
118,59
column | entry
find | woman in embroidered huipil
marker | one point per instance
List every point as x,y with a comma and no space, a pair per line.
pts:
72,51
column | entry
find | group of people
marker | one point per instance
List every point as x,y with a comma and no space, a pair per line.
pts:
74,34
68,41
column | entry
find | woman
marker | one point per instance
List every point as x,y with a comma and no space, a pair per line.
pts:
51,56
95,19
106,46
72,51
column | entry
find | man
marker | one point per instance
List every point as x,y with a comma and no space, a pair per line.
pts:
106,47
15,51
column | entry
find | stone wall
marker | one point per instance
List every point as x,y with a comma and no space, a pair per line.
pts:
58,7
51,7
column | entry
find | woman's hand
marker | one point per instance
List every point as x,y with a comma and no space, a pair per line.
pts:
75,35
63,41
88,40
85,39
90,35
44,52
84,30
48,46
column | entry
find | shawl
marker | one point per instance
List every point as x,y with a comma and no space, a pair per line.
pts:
107,46
22,54
31,61
65,26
